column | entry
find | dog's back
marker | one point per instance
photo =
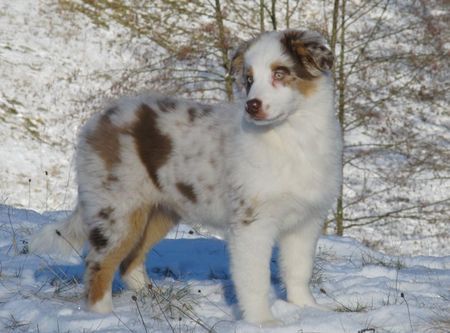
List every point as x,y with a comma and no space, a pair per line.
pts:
159,151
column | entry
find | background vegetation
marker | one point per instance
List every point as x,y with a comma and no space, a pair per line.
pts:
391,76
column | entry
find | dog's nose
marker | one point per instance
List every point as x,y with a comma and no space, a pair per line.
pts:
253,106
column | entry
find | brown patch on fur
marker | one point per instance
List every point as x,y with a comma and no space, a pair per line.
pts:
111,178
187,190
305,87
105,213
152,145
166,104
105,140
100,275
238,63
237,59
96,267
158,225
192,112
290,41
249,215
309,55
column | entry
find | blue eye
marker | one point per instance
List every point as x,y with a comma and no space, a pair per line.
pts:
279,75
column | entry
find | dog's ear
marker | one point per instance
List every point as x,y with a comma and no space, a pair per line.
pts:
238,63
237,59
309,51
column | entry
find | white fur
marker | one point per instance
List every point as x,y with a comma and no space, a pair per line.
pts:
137,279
104,305
264,181
74,236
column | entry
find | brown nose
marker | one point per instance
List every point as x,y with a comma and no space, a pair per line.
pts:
253,106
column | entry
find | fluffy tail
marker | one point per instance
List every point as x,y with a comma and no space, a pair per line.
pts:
65,237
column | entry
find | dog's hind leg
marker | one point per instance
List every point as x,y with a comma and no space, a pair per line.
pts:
109,246
132,267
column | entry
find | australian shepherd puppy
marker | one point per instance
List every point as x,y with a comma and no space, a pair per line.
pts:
268,172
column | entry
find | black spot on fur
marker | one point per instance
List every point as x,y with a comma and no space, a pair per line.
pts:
97,239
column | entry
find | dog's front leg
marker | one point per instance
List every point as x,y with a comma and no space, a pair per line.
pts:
251,249
297,250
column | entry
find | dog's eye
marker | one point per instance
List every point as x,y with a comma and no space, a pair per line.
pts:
250,79
279,75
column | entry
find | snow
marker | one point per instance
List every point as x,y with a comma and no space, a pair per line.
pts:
192,289
57,68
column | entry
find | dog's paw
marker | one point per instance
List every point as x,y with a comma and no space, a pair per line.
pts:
104,306
308,302
270,323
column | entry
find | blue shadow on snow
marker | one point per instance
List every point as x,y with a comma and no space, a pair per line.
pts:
179,259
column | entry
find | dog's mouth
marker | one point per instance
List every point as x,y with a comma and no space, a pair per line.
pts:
260,121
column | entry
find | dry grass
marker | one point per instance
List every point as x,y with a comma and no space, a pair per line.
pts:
393,263
173,304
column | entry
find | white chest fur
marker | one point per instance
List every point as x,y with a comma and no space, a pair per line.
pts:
292,168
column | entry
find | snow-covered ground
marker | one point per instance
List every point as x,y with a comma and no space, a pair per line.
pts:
365,291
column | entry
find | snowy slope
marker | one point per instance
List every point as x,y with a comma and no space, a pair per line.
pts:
192,291
55,69
50,63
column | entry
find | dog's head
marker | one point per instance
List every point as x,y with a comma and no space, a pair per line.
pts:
280,71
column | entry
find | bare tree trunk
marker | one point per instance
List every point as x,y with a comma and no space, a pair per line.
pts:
341,116
288,17
272,13
333,40
223,47
334,26
261,16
